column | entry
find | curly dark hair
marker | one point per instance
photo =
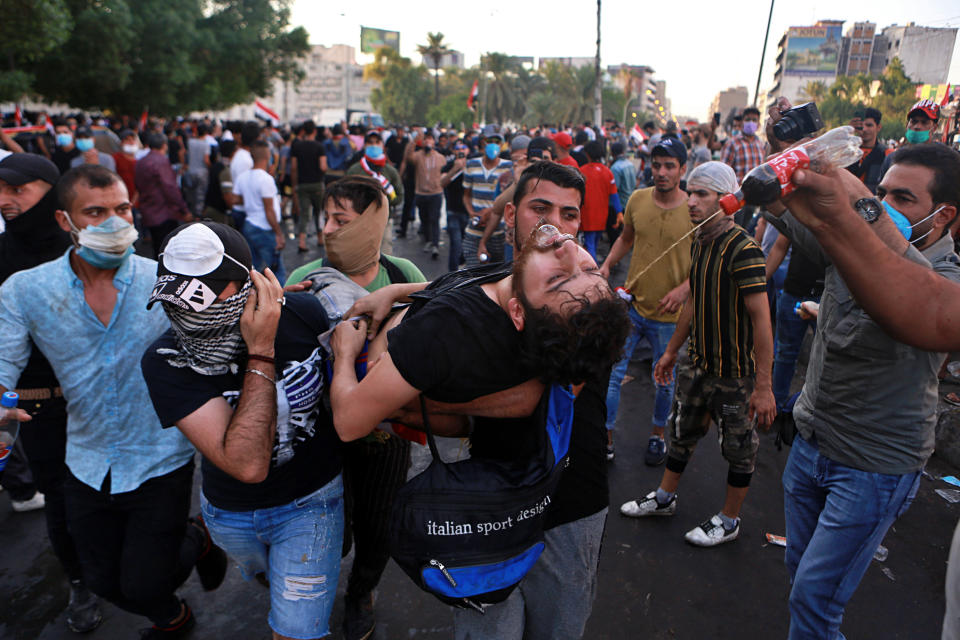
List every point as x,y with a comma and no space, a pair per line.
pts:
575,348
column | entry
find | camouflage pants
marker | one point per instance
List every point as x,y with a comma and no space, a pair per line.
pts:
701,397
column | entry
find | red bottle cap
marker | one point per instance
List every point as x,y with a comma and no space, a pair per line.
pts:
730,203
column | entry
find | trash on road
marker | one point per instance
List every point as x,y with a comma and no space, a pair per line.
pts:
780,541
889,574
951,480
950,495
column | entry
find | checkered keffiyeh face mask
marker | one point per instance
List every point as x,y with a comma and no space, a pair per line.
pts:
208,341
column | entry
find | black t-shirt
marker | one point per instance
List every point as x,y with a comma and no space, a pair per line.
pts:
461,345
62,158
307,153
394,147
306,452
174,146
453,192
804,277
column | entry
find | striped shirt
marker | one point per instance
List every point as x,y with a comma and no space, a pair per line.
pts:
722,274
482,182
743,153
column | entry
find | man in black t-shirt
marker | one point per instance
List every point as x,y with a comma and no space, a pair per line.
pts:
241,375
308,163
542,606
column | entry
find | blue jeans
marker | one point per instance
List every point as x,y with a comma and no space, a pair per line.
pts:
791,329
658,334
457,222
590,239
836,517
554,600
263,247
297,545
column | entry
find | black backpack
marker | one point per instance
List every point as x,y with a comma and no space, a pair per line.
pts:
469,531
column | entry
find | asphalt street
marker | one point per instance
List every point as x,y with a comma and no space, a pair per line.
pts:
651,583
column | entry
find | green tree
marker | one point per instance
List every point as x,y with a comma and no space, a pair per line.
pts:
451,110
815,91
434,50
402,94
28,30
174,56
502,100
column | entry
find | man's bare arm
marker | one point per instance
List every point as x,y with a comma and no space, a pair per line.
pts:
238,442
910,302
777,253
620,248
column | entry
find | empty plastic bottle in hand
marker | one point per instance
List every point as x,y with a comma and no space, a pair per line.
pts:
9,425
771,180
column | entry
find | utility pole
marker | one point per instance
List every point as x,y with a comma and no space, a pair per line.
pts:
756,91
598,86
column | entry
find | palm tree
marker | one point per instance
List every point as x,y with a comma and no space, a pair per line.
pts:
434,50
502,98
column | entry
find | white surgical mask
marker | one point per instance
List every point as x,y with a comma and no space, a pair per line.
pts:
130,149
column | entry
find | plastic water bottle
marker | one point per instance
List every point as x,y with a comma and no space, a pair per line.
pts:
475,221
484,257
770,181
9,425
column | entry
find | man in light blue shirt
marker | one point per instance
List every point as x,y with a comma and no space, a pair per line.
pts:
129,487
624,173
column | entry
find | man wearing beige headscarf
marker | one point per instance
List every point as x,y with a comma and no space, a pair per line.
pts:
376,466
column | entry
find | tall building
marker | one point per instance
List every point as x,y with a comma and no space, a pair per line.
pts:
662,102
924,51
576,63
638,82
806,54
449,59
856,51
732,99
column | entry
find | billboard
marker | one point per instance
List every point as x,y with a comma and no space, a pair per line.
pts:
373,39
813,50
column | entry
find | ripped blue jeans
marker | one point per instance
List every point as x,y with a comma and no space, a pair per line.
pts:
297,545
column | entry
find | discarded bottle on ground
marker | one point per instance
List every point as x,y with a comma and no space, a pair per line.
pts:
770,181
9,425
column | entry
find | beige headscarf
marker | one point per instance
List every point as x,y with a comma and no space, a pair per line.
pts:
355,247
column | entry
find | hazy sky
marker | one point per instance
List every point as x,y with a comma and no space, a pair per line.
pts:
700,48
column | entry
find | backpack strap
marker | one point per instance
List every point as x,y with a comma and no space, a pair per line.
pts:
426,425
393,271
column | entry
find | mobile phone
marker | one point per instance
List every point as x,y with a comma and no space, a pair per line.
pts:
716,117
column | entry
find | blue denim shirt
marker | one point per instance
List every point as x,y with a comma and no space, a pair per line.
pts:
338,153
111,424
625,174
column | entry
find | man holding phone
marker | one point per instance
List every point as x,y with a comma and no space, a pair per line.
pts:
868,169
457,216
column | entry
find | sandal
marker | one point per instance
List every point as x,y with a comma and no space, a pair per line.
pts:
952,398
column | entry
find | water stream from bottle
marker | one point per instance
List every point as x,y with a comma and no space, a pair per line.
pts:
682,238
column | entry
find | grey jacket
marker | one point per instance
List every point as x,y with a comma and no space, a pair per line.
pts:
870,401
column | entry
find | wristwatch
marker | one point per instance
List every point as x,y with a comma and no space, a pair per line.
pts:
869,209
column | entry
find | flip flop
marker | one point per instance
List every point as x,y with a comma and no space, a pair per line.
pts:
952,398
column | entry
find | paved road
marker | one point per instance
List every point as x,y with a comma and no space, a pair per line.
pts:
652,584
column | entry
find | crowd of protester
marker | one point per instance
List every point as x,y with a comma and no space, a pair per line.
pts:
289,400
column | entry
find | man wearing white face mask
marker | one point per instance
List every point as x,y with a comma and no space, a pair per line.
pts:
128,488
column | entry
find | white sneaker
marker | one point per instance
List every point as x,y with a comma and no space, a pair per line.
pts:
34,503
648,506
710,533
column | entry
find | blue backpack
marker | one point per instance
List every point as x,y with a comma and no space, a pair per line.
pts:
469,531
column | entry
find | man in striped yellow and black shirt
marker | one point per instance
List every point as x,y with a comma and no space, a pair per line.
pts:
726,374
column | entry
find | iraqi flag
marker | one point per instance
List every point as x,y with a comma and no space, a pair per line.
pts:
637,134
472,98
264,112
143,121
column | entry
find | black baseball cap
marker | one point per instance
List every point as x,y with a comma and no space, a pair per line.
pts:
196,263
21,168
670,146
